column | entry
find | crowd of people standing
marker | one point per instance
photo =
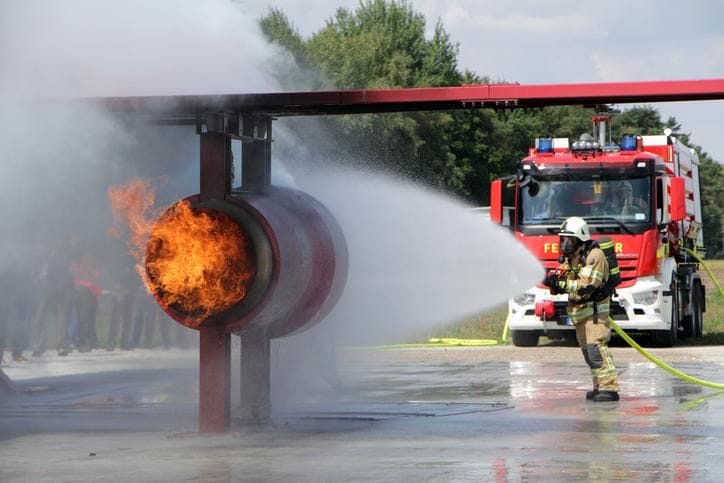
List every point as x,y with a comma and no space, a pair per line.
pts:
68,294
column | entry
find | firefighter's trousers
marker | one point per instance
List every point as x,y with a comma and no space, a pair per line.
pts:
593,335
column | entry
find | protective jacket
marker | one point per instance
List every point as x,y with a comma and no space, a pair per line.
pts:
586,270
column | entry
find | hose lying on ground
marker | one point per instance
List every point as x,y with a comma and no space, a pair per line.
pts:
444,342
659,363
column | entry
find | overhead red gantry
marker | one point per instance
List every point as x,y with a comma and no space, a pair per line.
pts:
189,109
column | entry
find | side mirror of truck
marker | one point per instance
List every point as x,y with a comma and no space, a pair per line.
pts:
677,199
496,201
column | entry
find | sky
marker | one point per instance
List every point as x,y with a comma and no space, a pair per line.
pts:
561,41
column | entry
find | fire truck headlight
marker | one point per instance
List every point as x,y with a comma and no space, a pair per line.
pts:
524,299
646,298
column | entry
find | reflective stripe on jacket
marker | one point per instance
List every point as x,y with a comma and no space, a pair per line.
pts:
593,271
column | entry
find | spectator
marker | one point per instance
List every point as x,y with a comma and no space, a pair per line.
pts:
87,291
123,282
145,316
55,291
15,308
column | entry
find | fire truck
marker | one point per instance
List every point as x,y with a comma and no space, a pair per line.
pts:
643,194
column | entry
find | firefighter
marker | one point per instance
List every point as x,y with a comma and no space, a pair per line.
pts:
583,270
621,200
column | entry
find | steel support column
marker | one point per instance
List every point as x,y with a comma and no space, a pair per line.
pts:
216,165
255,376
215,342
256,153
255,343
214,379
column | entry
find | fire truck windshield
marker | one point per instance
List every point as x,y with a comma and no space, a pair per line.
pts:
623,200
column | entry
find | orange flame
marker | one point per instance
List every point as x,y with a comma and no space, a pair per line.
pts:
197,262
132,208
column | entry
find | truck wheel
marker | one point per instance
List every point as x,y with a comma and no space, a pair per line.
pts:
668,338
525,338
697,309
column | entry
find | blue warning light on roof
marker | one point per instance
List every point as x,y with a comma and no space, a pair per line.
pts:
628,143
544,145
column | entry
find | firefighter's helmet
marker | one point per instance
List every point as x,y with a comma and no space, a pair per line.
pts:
575,226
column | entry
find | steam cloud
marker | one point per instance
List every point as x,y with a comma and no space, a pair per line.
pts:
417,257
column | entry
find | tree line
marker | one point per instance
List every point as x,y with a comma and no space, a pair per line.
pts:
382,44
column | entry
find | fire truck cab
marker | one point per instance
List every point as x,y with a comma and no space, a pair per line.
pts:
644,195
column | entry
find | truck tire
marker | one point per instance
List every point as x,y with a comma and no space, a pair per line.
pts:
668,338
525,338
697,309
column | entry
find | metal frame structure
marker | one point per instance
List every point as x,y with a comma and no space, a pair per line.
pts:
248,117
195,109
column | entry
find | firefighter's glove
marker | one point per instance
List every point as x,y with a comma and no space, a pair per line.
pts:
556,284
586,292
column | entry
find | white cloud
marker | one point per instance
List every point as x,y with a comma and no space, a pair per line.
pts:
547,29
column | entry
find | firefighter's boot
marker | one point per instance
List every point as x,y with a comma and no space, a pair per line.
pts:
605,396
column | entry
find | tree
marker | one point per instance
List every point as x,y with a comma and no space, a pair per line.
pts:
382,44
641,120
296,71
711,180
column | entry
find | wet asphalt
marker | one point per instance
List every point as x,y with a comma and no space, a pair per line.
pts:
106,416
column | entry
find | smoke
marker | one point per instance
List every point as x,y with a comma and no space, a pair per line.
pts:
417,258
52,48
59,158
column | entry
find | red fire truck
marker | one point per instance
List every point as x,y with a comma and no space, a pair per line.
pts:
644,195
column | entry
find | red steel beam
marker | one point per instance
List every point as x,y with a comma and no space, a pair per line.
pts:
214,380
188,109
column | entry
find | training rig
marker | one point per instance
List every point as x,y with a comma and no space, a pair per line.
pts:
219,119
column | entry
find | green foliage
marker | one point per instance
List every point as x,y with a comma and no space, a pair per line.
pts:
297,71
276,26
383,44
638,120
712,203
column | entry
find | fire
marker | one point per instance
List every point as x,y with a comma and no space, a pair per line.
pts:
197,262
132,208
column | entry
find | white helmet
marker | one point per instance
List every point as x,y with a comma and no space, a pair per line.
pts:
575,226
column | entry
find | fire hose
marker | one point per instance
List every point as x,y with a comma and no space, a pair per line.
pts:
442,342
711,275
660,363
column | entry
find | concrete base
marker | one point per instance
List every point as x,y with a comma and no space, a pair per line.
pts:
459,414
